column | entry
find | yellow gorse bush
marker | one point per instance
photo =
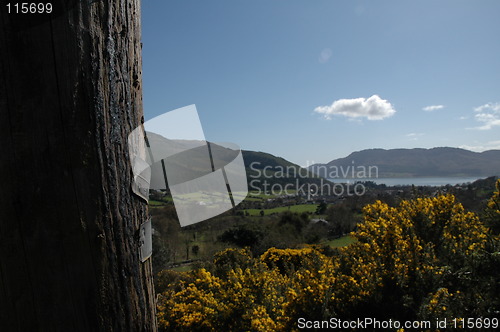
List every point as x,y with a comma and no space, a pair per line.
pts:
493,211
415,260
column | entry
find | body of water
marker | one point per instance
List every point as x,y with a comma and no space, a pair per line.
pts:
430,181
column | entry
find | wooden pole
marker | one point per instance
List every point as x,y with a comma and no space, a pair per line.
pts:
70,93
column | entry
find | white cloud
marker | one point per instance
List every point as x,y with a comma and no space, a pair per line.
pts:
432,108
488,115
414,136
489,106
373,108
491,145
325,55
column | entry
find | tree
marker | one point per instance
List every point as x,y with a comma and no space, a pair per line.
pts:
195,249
242,236
70,93
321,208
493,210
342,219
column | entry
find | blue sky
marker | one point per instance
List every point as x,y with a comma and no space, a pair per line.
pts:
312,81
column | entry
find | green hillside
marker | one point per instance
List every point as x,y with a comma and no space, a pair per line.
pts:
265,168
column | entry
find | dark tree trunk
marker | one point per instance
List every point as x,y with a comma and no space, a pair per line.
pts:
70,93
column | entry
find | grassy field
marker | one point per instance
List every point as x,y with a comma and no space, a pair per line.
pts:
252,196
267,195
292,208
156,203
253,199
182,268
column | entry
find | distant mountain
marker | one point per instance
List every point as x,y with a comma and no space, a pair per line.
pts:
190,159
435,162
264,168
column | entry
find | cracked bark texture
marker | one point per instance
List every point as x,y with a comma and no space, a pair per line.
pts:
70,93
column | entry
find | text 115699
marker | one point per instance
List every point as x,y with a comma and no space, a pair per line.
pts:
29,8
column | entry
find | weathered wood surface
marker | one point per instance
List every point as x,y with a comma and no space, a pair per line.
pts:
70,92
